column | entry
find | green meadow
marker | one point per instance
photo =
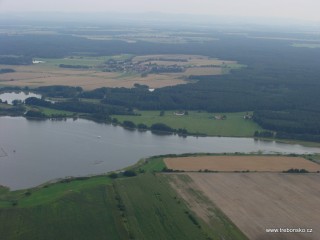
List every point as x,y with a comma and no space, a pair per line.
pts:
198,122
104,207
49,112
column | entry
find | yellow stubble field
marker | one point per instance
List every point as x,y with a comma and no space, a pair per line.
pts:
241,163
257,202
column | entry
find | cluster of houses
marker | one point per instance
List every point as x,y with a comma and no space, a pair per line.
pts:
220,117
248,116
37,61
224,117
216,117
139,67
179,113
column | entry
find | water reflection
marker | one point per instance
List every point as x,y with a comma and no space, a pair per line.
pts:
9,97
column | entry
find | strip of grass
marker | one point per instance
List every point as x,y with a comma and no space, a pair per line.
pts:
5,106
315,158
291,141
51,112
48,193
198,122
152,210
153,165
226,69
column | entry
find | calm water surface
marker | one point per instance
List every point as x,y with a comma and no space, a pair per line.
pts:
33,152
10,96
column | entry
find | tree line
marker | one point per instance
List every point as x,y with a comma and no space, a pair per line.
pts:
97,110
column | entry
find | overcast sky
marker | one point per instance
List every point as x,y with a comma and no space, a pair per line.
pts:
295,9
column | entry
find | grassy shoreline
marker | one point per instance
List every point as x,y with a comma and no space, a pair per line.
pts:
251,126
197,122
144,206
153,164
291,141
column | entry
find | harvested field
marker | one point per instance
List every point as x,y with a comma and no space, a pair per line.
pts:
48,72
88,83
241,163
255,202
33,76
203,207
155,80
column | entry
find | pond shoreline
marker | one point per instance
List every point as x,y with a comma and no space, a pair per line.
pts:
39,151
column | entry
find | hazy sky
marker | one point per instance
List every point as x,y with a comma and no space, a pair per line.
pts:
296,9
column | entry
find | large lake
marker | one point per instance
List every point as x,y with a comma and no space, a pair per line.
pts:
33,152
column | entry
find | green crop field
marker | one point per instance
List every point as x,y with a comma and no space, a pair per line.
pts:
49,111
80,209
199,122
141,207
48,192
76,215
153,210
153,164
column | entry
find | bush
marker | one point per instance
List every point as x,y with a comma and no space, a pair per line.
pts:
113,175
182,131
161,127
129,173
6,70
266,134
115,120
35,114
129,124
193,219
28,193
142,126
295,170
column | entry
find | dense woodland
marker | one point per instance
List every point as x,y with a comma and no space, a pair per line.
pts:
6,70
292,124
281,83
12,111
75,105
16,60
73,66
